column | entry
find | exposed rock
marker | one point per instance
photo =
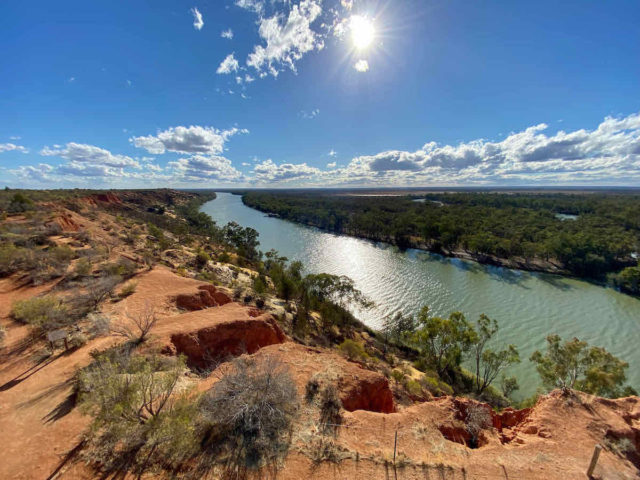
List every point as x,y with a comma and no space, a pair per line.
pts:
66,222
195,301
366,390
226,338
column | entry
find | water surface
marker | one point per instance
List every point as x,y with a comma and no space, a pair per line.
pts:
528,306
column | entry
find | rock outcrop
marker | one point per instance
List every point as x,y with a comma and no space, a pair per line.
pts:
366,390
207,296
223,339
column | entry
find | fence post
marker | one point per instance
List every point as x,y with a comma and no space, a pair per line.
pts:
594,460
395,446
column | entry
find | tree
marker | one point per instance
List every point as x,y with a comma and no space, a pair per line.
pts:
337,289
628,280
99,289
509,385
138,326
575,365
443,341
489,363
399,327
244,239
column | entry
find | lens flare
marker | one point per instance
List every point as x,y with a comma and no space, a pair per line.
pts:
362,31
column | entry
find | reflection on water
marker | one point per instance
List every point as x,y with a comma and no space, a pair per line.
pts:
528,306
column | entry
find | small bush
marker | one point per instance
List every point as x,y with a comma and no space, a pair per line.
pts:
260,302
77,340
124,268
99,324
97,290
202,259
311,389
83,267
224,257
478,418
3,334
259,285
139,418
414,388
353,350
128,289
249,412
398,376
138,325
330,410
48,312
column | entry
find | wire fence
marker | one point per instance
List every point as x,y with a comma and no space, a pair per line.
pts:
444,471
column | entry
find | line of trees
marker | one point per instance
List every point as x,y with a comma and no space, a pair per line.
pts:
599,240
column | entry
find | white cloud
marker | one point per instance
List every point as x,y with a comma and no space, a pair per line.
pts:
193,139
361,66
205,167
198,22
332,153
228,65
268,171
80,153
15,137
240,80
286,40
71,79
610,153
254,5
332,165
8,147
228,34
309,115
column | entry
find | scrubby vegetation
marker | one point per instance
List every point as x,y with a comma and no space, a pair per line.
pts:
145,413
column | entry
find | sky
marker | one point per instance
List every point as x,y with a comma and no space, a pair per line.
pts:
319,93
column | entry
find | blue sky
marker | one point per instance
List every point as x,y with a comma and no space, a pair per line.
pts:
319,93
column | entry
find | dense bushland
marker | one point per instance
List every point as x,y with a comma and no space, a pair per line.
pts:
523,226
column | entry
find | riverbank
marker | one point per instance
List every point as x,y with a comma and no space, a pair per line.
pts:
516,263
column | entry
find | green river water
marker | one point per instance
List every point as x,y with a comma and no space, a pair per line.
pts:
528,306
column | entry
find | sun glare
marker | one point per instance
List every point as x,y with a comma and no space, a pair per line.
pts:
362,31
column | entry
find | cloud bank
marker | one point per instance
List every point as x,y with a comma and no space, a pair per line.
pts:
609,154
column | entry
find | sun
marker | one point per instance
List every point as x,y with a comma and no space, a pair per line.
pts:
362,31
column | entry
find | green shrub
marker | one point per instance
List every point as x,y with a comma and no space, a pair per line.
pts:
139,418
123,267
353,350
202,259
398,376
414,388
83,267
46,312
435,386
259,285
128,289
13,258
77,340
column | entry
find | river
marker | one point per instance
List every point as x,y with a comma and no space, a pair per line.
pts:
528,306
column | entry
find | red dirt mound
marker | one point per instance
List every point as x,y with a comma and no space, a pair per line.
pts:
359,389
206,297
366,391
66,222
